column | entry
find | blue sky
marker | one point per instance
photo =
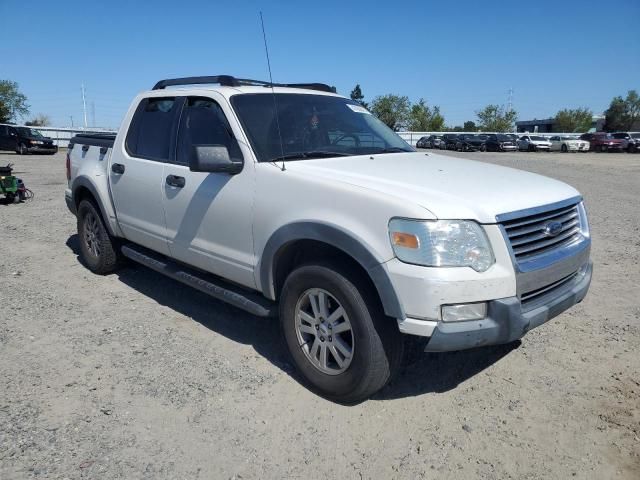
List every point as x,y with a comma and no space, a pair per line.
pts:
459,55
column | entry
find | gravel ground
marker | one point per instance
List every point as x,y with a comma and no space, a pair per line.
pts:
135,376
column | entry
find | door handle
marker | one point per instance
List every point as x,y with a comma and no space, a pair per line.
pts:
175,181
117,168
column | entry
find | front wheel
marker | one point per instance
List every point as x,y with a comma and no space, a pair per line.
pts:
98,250
336,333
22,149
564,149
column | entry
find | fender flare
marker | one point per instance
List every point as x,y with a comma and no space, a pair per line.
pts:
339,239
84,182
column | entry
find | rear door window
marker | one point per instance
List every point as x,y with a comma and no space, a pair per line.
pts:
152,130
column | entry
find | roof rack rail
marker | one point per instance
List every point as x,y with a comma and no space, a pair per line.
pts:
229,81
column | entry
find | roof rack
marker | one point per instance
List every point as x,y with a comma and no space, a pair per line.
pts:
229,81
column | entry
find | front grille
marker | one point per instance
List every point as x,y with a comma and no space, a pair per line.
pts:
530,299
528,235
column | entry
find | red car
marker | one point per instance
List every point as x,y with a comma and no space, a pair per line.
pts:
604,142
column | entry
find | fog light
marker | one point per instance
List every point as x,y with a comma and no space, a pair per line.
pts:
464,311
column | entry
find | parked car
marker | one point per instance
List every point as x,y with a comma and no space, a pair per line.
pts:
604,142
533,143
352,245
424,142
24,140
450,141
499,142
468,142
565,143
632,139
436,140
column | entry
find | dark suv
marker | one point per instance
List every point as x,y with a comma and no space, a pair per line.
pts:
632,138
449,141
25,140
500,142
468,142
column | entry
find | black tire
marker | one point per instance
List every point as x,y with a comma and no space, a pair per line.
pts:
377,342
564,148
483,148
22,149
98,250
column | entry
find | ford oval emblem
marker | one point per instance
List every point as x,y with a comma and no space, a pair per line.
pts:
552,229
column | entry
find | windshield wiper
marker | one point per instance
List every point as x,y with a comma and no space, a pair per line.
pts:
308,155
393,150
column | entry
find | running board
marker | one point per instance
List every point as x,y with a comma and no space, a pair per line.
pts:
219,289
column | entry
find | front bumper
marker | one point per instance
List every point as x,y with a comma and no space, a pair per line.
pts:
42,149
507,320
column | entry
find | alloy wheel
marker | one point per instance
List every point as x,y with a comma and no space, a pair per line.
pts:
92,234
324,331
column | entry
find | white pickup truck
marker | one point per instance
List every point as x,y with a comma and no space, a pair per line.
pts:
291,200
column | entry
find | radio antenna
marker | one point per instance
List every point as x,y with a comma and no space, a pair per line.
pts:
273,93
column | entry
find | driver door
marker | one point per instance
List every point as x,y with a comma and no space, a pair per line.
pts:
209,216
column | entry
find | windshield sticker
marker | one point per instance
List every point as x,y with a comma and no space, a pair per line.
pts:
358,109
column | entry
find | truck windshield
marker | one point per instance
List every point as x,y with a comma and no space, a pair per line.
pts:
312,126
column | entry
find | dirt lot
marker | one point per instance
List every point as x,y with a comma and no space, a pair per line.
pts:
134,376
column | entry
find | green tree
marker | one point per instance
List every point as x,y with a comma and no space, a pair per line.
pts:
419,117
457,128
470,126
41,120
622,114
573,120
494,118
391,109
436,123
356,94
12,102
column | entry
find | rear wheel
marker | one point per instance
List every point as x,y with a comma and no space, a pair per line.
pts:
336,333
564,148
98,249
483,148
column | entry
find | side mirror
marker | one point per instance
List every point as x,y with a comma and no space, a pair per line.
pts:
214,159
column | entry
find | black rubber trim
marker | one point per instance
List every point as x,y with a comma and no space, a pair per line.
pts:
205,282
95,139
86,183
505,322
230,81
339,239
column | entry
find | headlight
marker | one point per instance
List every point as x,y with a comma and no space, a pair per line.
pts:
442,243
584,221
36,142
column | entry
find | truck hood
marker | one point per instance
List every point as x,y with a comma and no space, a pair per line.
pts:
450,188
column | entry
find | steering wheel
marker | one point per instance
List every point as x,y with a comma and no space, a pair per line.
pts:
356,139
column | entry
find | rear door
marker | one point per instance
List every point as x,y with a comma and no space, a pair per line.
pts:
136,171
7,141
210,215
